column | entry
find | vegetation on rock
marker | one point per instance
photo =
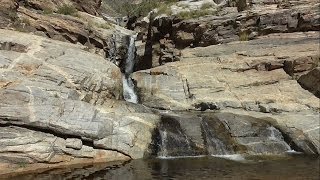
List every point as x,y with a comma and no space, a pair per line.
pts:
129,8
67,9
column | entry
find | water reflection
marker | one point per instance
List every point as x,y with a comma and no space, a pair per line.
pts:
253,167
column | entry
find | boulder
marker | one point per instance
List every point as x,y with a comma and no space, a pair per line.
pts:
311,81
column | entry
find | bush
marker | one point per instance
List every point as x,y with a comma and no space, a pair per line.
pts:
104,26
206,6
127,8
240,4
243,36
67,10
13,16
196,14
47,11
164,9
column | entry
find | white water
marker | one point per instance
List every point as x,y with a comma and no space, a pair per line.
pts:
130,61
273,132
214,146
273,136
164,151
180,157
128,86
233,157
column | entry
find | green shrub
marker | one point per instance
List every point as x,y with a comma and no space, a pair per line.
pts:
91,25
240,4
104,26
127,8
206,6
25,21
164,9
67,10
183,6
195,14
13,15
243,36
47,11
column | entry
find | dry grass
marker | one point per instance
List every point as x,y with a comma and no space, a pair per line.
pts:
67,10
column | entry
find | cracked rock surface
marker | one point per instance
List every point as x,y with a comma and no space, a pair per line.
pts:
255,78
57,95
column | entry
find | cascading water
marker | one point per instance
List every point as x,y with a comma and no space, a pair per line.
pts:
214,145
164,139
129,93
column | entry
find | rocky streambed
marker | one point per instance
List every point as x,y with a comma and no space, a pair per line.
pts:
64,104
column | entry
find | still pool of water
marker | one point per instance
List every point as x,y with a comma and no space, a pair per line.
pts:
231,167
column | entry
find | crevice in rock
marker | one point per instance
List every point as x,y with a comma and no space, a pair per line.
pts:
85,141
186,89
259,84
10,46
203,106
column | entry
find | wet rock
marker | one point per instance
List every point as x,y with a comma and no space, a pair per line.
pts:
194,133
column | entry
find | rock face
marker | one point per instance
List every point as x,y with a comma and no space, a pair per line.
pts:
54,92
36,147
190,134
223,76
311,81
43,18
249,77
169,34
91,7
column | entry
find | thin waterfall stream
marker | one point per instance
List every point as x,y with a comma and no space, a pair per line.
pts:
129,93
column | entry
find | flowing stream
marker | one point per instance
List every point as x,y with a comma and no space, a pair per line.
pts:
129,93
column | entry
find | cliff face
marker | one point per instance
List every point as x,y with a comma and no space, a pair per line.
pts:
61,99
254,71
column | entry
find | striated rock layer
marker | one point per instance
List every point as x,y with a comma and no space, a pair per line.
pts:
59,103
251,78
164,36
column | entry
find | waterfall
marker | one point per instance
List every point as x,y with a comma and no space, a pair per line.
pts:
214,145
113,49
164,139
275,135
129,93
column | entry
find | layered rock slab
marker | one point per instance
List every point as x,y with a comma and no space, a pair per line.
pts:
255,77
168,34
56,89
